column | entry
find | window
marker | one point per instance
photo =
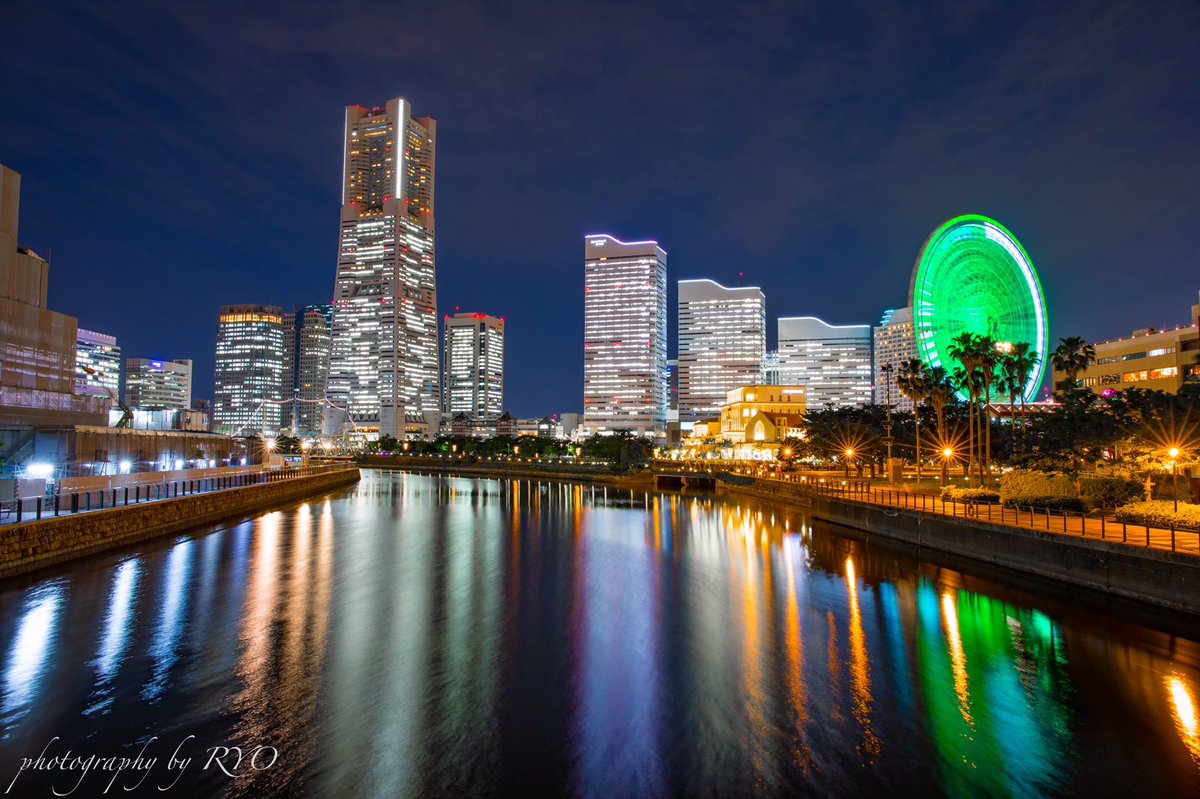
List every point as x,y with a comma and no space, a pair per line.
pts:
1133,356
1108,380
1161,351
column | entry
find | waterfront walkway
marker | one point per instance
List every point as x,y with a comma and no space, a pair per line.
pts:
77,502
1069,523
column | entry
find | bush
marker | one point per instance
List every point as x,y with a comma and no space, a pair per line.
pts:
1039,490
1110,492
1164,488
970,494
1161,513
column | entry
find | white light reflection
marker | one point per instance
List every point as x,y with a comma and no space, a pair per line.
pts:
31,648
166,637
120,609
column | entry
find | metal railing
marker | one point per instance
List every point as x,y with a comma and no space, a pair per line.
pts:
1063,522
30,509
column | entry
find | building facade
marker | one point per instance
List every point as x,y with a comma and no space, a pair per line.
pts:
722,342
473,372
832,362
97,364
248,384
893,343
1150,358
37,348
384,357
158,385
762,414
624,336
307,341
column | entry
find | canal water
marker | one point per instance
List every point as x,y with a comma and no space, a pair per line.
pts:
440,636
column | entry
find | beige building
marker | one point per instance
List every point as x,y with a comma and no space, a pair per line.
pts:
37,349
1153,359
762,414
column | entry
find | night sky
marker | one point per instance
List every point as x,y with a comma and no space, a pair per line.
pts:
180,157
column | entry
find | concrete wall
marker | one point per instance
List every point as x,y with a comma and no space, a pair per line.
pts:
1166,579
33,545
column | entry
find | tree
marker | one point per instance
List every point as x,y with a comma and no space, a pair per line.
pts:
1072,356
964,348
913,382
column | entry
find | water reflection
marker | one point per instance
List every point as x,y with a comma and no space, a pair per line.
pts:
29,654
433,636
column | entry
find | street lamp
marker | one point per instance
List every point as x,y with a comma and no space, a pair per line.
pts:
849,456
947,456
1174,453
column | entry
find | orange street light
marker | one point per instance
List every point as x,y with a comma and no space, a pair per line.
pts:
1174,453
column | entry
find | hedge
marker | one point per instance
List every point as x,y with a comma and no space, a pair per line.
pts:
1161,513
1039,490
1111,492
970,494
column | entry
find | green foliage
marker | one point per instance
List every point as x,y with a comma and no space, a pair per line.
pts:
1109,492
970,494
1040,490
1160,513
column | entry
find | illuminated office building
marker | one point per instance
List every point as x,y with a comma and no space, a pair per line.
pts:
97,364
248,384
832,362
384,359
722,341
306,348
473,379
624,336
894,343
158,385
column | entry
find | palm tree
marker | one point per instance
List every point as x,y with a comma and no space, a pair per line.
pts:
965,350
913,381
1025,360
1012,385
940,394
989,359
1072,355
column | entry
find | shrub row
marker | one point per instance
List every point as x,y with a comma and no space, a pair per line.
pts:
1161,513
1039,490
970,494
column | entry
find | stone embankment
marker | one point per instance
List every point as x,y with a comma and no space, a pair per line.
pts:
1162,578
600,475
33,545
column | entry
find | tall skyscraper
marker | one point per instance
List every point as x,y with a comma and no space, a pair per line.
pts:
895,343
722,340
158,385
248,385
473,379
384,360
37,345
306,348
832,362
97,364
624,336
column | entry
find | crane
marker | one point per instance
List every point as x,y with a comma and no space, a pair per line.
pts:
126,414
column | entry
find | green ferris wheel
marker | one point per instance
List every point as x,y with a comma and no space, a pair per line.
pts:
974,276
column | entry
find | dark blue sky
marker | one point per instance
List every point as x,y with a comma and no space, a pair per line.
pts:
177,157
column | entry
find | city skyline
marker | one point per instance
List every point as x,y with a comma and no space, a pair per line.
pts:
796,232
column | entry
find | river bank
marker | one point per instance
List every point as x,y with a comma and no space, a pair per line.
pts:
600,475
30,546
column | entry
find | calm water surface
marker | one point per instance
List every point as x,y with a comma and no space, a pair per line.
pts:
434,636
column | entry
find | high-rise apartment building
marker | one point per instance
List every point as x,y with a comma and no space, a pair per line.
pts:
473,377
832,362
158,385
384,360
248,385
722,341
306,348
97,364
894,343
624,336
37,347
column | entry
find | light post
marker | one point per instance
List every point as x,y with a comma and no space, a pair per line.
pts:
887,370
1174,453
947,456
849,456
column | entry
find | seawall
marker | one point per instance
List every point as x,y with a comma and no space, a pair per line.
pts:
34,545
1166,579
